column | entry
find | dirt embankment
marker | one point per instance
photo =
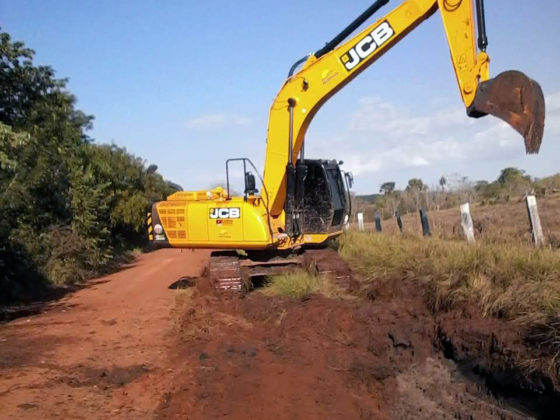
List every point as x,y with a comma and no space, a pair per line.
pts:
501,356
379,357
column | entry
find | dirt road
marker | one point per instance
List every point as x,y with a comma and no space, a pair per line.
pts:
100,352
128,346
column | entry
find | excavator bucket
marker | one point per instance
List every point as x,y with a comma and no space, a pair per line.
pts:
516,99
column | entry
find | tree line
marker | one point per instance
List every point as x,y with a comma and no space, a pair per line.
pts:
453,191
69,207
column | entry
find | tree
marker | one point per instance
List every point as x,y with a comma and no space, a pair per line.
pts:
415,184
387,204
479,186
414,188
514,181
68,206
387,187
512,176
442,183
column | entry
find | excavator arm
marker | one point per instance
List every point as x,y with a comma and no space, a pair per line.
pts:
511,96
303,203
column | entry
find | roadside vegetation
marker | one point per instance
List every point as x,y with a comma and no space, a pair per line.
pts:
69,207
512,281
299,285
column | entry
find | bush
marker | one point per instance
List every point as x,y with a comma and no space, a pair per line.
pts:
68,206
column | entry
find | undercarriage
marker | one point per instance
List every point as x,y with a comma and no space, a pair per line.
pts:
238,272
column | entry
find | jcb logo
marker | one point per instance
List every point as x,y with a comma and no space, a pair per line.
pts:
225,213
367,45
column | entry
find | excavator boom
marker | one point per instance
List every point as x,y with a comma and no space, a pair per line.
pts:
511,96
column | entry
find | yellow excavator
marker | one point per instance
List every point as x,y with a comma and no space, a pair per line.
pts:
305,202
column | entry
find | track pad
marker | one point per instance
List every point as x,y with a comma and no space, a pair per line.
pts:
516,99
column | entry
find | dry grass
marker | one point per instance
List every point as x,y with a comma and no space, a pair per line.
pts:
498,223
507,280
512,281
300,284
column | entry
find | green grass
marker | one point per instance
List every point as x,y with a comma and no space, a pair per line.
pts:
300,284
512,281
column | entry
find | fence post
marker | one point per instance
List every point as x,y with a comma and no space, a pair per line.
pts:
425,223
360,217
466,222
534,220
399,221
377,221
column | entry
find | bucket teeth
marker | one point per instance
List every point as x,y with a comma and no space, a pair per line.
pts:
516,99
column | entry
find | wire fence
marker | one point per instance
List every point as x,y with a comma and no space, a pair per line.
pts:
522,221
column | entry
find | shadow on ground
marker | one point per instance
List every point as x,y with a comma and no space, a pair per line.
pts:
35,294
183,283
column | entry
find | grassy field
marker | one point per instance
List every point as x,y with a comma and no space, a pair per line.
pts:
499,223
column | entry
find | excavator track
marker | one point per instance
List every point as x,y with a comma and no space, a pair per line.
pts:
235,274
225,272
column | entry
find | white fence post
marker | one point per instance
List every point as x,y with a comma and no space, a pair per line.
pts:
360,221
466,222
534,220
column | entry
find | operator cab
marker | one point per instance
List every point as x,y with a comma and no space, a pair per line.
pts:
326,197
317,197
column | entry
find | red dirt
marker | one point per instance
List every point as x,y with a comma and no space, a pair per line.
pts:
100,352
263,357
503,356
129,347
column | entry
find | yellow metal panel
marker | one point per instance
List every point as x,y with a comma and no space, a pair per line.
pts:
215,223
255,223
197,225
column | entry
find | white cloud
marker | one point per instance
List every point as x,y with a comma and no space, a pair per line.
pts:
552,119
241,121
216,121
383,136
380,117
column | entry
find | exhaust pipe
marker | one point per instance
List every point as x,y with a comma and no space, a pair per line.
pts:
516,99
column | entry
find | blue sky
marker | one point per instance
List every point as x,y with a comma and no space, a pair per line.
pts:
188,84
